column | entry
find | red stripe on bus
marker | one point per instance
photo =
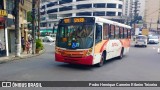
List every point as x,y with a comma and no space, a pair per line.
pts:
103,46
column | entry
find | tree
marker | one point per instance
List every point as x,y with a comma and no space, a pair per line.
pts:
29,17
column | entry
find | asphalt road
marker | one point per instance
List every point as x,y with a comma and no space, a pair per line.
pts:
140,64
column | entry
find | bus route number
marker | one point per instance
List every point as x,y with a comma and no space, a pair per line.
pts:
67,20
78,20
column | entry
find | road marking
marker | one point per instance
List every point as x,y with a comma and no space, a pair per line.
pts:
48,43
158,50
153,47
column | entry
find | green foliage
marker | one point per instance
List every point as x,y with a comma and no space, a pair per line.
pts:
39,44
29,17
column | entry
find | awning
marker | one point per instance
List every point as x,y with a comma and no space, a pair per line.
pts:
46,30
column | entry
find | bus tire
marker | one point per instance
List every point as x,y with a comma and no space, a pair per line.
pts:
121,55
100,64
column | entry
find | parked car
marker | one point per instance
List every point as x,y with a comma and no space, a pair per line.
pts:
48,39
153,39
53,36
141,40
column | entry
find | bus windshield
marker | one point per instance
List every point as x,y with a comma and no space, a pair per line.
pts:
75,36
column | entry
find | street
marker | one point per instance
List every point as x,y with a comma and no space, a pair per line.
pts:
140,64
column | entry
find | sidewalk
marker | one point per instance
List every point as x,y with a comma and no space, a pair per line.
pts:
23,56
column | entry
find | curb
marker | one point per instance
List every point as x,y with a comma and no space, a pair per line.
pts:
8,59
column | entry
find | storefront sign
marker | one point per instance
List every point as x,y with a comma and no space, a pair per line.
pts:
3,13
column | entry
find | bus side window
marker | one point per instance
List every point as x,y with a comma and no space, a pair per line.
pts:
98,33
125,33
117,32
121,32
129,33
112,31
105,31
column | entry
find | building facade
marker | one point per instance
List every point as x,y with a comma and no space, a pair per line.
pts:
8,33
152,14
127,10
53,10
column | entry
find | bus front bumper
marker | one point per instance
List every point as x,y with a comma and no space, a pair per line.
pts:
88,60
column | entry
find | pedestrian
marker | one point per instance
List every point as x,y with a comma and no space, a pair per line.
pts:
23,43
0,48
28,47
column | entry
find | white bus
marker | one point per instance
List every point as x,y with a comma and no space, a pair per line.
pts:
91,40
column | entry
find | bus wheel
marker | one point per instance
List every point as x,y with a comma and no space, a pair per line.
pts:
101,61
121,55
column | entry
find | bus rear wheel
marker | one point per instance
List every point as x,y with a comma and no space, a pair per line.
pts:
121,55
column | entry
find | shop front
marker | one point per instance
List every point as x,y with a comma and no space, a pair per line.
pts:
3,34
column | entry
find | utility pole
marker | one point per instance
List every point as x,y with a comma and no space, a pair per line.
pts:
33,27
158,21
17,31
38,18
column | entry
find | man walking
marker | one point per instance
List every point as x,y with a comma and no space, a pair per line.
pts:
23,43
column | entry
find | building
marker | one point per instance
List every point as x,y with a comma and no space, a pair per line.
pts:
53,10
127,10
127,7
152,14
142,8
3,30
8,33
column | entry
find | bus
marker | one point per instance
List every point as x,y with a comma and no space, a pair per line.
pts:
91,40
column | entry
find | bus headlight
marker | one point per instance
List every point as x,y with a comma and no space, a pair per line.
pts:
89,51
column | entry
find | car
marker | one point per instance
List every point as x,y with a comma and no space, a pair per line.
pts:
48,39
153,39
53,36
141,40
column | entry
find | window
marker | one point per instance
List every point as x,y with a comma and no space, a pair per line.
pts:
65,8
120,6
121,34
43,24
129,33
84,6
119,14
98,33
99,5
98,13
84,14
112,32
52,11
52,16
81,0
105,31
111,5
64,1
117,32
49,25
52,4
43,7
111,14
125,33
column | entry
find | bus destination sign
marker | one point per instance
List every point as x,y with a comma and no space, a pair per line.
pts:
77,20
